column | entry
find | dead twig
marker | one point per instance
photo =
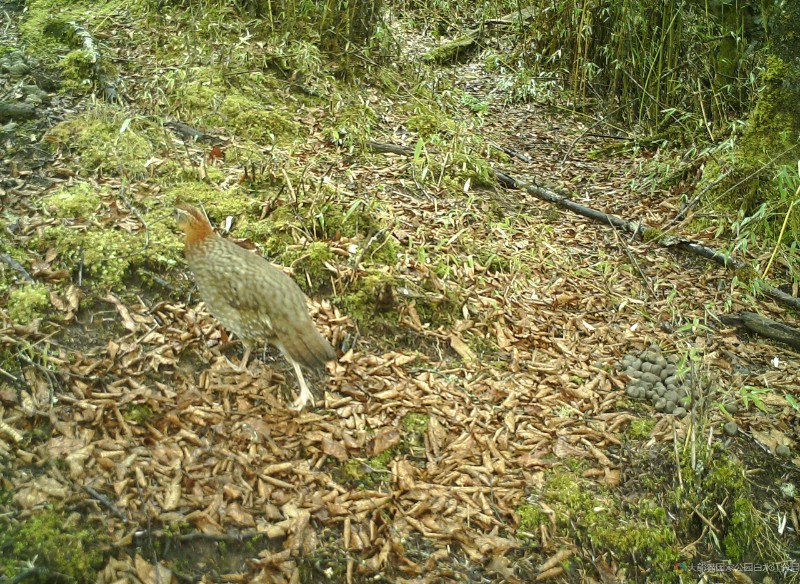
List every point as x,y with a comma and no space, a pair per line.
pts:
105,502
199,536
16,266
632,258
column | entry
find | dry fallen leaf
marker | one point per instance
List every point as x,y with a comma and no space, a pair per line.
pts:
462,349
385,439
334,448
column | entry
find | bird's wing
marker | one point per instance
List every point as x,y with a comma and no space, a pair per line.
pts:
263,292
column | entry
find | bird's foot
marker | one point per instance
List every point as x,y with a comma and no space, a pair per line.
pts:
239,367
300,403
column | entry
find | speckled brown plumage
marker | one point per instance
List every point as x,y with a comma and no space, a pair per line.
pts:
253,298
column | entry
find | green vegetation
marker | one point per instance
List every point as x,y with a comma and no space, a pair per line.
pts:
374,471
28,303
106,141
46,28
58,547
139,413
640,428
113,256
641,530
287,165
208,100
415,423
78,201
721,483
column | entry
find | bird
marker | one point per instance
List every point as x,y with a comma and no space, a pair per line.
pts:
253,298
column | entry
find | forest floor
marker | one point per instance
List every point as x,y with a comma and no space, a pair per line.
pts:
477,426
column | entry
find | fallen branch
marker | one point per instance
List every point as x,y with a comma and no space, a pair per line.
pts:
636,229
765,327
186,132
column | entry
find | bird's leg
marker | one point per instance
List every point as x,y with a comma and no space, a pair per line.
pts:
245,357
305,395
242,366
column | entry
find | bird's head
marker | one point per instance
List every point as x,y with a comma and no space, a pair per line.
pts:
193,223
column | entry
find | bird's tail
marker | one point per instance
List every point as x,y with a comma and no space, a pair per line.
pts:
308,348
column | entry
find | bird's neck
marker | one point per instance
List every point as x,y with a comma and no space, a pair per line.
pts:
197,235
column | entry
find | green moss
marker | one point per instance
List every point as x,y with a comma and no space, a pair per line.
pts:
640,533
413,436
366,474
105,140
452,51
111,256
640,428
217,203
531,517
62,548
371,300
28,303
744,529
45,25
139,413
310,266
210,101
439,309
651,234
78,201
353,123
77,65
381,251
747,170
80,67
776,115
430,122
255,120
723,484
415,423
343,218
383,460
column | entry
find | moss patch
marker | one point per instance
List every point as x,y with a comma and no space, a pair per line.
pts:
722,483
639,531
111,256
210,101
105,141
80,200
28,303
371,300
453,51
62,548
640,428
46,28
772,129
139,413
